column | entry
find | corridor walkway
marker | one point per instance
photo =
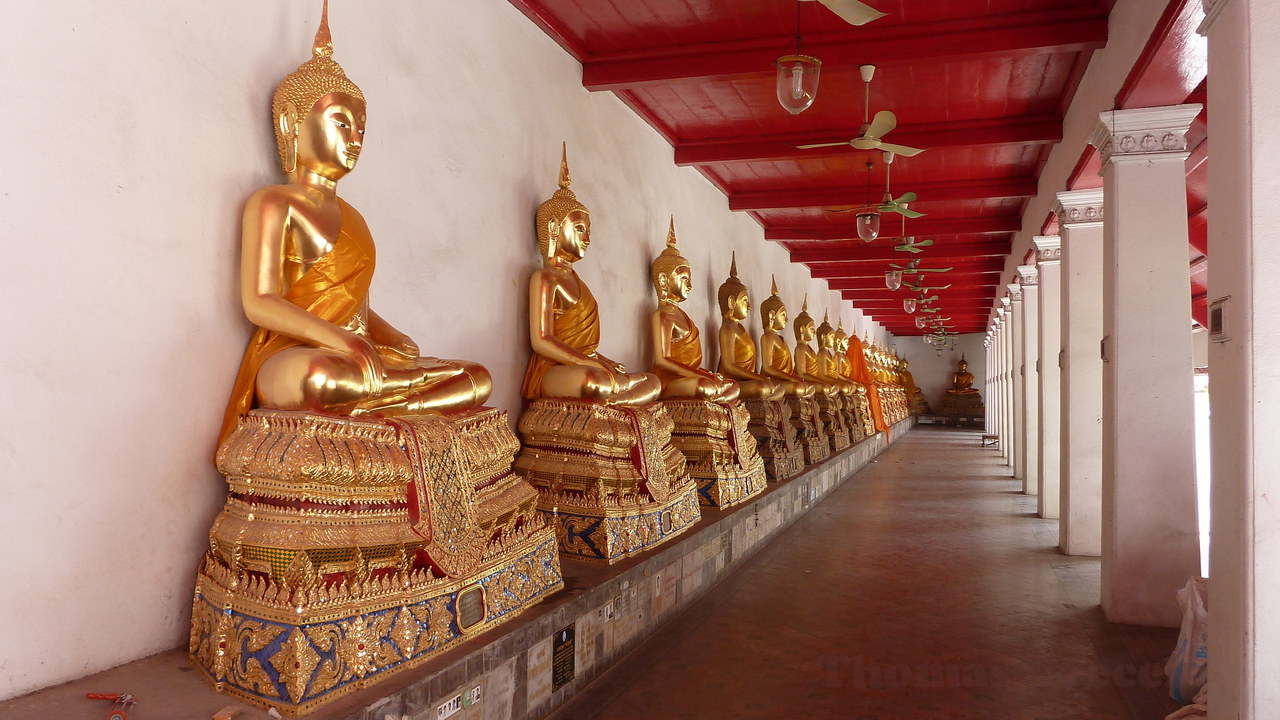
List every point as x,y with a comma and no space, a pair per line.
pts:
924,587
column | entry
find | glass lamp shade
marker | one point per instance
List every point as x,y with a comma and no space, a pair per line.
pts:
909,304
920,322
868,225
893,279
797,81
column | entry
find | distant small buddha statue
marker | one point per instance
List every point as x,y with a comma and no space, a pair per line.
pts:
918,403
808,365
835,407
961,399
860,400
564,319
778,363
677,345
737,347
368,488
597,440
762,395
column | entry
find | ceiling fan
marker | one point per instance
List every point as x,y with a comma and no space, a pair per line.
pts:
922,288
913,267
911,245
869,136
889,203
851,11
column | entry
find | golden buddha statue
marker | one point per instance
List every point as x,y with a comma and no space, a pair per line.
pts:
677,346
711,426
737,347
763,396
373,519
597,443
962,380
834,407
777,363
564,320
962,401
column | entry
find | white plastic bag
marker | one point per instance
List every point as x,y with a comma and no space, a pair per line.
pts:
1188,666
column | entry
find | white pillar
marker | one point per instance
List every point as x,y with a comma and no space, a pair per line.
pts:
1080,224
1017,410
1150,542
1006,439
1008,395
1244,180
1049,262
1029,438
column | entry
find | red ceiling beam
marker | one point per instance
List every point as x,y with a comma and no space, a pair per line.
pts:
1002,35
1026,130
849,196
919,228
863,252
961,275
852,291
877,268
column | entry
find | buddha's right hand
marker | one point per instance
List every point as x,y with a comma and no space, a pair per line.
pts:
370,362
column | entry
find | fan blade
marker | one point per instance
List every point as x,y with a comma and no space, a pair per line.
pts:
923,243
906,212
896,267
882,124
936,269
902,150
908,248
852,11
906,197
822,145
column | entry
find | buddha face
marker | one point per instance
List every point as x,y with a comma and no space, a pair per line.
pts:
777,319
572,235
330,137
805,332
739,306
963,366
680,284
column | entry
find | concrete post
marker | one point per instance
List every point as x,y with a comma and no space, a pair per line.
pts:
1017,410
1049,262
1007,395
1030,435
1244,179
1150,542
1080,222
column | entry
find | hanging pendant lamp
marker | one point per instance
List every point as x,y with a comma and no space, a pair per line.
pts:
909,304
797,77
893,279
868,219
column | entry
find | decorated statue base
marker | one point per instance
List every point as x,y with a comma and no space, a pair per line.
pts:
809,430
776,438
920,404
719,451
865,419
352,549
608,477
849,416
830,414
967,405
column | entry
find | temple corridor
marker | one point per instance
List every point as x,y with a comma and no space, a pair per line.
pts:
923,587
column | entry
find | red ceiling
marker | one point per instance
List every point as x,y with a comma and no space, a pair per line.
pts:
981,85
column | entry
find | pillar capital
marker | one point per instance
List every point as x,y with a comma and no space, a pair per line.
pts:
1212,9
1143,133
1030,275
1005,302
1048,248
1079,207
1015,292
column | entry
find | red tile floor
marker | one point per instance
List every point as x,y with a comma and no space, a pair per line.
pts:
924,587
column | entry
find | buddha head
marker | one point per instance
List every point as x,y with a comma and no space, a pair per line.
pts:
963,365
826,334
734,300
841,338
804,327
670,272
772,311
319,113
563,223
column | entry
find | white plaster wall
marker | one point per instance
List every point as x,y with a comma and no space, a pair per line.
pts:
932,372
141,129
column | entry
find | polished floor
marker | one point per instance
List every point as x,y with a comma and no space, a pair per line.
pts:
923,587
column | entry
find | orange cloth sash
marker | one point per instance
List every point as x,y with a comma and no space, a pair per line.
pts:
577,326
862,374
334,288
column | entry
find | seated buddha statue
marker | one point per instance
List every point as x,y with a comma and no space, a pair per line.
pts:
307,260
737,347
808,364
861,401
363,479
828,360
776,361
677,345
564,319
962,380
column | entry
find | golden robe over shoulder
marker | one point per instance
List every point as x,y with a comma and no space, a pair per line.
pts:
578,327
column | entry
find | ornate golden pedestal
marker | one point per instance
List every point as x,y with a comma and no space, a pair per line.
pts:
849,416
608,476
809,430
865,419
963,405
776,438
719,451
830,409
351,549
